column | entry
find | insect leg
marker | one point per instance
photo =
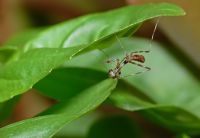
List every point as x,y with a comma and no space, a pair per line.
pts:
153,34
140,72
140,65
142,51
121,45
152,37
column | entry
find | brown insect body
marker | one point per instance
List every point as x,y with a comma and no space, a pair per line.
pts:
139,58
134,57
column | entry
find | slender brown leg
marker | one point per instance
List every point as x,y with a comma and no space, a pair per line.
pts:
137,73
142,51
140,65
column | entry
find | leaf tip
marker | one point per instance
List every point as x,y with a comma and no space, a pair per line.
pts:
175,9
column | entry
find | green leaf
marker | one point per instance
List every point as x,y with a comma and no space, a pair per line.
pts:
50,48
123,99
40,127
47,126
114,127
96,27
64,83
170,86
169,83
173,117
20,74
75,129
73,108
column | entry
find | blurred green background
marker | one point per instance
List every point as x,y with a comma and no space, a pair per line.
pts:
182,33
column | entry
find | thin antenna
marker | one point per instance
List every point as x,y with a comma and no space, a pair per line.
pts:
120,43
153,34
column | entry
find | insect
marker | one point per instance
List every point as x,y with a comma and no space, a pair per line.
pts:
132,58
135,58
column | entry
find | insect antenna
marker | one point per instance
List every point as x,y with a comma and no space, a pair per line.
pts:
121,45
152,38
110,60
153,34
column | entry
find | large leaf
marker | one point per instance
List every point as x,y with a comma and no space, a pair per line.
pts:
45,52
47,126
170,85
96,27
